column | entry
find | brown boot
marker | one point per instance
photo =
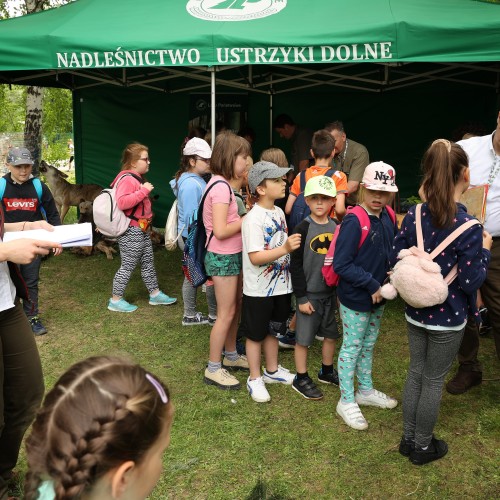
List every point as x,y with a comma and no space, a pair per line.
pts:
463,381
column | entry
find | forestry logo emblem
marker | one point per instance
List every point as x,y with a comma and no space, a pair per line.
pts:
234,10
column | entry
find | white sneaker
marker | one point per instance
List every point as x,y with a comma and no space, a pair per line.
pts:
376,398
257,390
282,376
352,416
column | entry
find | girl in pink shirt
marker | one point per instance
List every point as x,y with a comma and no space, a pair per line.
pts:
223,258
132,196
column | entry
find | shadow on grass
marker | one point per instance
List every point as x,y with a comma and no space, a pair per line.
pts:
261,491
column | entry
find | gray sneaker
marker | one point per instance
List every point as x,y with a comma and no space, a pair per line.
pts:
197,319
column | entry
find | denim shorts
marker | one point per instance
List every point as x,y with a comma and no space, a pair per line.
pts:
218,264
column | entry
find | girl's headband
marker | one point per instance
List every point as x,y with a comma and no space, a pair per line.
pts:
159,388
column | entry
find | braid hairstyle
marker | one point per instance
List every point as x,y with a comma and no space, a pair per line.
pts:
102,412
442,166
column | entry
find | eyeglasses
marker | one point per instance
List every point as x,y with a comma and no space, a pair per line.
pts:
206,160
145,159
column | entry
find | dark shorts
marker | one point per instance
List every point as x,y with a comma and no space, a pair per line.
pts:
322,322
218,264
263,316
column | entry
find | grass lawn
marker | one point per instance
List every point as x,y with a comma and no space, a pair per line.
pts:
225,446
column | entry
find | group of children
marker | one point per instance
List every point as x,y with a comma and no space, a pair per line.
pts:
103,428
275,264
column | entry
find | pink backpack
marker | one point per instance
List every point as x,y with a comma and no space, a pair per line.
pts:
329,275
416,276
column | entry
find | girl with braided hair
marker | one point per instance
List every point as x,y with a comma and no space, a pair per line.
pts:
100,434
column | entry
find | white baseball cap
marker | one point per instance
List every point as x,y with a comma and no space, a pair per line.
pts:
198,147
380,176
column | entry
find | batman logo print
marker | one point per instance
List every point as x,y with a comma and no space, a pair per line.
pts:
321,243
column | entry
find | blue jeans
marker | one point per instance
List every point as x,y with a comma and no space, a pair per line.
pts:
431,356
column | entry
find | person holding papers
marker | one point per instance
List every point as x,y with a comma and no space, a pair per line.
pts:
26,199
21,378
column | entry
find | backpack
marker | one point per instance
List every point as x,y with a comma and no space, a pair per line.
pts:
195,247
416,276
300,210
37,183
329,275
171,230
108,218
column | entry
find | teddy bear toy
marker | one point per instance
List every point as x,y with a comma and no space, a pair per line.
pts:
417,278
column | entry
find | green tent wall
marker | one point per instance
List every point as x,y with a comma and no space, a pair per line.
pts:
450,49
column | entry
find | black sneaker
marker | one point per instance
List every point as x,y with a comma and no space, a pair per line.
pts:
329,378
37,326
307,388
406,447
437,449
287,341
211,321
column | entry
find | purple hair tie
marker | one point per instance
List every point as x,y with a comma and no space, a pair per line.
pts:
159,388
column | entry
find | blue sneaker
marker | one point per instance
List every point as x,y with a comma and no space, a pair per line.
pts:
121,306
287,341
36,326
161,299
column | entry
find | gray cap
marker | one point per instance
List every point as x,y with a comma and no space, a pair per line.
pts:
264,170
19,156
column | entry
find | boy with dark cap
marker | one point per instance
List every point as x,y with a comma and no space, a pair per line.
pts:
267,284
26,199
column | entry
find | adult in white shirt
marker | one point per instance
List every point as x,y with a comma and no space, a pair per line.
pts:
484,163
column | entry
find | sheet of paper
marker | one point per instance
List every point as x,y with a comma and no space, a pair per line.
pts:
69,235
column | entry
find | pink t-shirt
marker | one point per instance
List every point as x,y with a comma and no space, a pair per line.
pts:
221,193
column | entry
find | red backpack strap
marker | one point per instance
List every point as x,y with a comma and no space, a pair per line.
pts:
364,221
392,213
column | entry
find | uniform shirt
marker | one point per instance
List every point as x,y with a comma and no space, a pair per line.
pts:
481,160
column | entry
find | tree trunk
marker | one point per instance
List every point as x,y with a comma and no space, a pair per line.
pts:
33,124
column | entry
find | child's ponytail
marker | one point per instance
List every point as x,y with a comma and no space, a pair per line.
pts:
442,166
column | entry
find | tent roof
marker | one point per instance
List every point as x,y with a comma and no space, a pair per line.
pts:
156,44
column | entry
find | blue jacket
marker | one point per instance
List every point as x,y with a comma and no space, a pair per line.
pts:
362,272
467,250
189,190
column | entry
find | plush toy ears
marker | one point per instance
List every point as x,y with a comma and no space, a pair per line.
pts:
388,291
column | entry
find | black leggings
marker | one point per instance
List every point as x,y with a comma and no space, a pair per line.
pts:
21,387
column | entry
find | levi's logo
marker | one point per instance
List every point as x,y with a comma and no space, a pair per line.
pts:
29,204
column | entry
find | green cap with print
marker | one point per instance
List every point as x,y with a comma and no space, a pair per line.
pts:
320,184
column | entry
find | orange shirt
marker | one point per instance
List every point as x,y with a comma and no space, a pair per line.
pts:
338,177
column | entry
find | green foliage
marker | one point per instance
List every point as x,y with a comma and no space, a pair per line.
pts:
13,106
57,113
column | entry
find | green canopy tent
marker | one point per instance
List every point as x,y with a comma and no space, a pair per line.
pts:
132,67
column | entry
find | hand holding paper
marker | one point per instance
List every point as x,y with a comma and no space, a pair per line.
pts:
69,235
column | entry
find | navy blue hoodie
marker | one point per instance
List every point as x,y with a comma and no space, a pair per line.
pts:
363,271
